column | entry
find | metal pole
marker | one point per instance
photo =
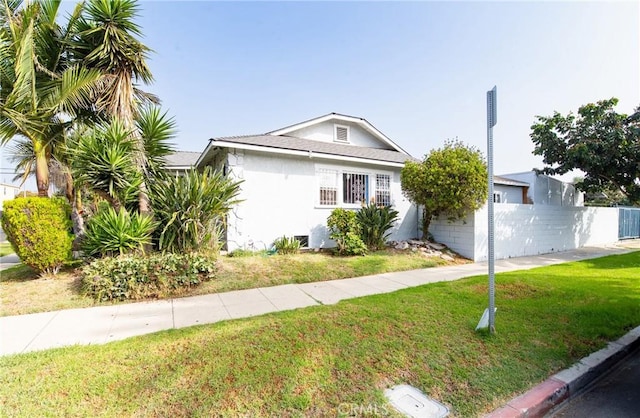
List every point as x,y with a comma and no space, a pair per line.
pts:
491,121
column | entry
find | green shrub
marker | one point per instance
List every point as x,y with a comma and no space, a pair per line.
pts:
115,233
192,209
39,231
287,245
374,222
153,276
345,231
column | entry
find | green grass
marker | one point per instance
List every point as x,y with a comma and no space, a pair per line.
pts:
327,360
5,249
23,292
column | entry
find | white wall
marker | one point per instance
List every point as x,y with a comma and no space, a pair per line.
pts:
280,198
508,194
522,230
545,190
7,192
324,132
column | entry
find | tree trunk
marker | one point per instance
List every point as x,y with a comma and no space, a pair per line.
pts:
42,168
426,222
76,215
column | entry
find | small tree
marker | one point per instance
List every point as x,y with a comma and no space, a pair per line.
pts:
451,180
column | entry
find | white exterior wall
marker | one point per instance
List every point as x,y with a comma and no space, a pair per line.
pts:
457,235
522,230
545,190
7,192
508,194
325,132
280,198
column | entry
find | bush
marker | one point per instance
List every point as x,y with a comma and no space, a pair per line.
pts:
112,233
374,222
39,231
286,245
154,276
192,209
345,231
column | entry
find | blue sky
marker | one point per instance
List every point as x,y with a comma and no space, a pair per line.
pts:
418,71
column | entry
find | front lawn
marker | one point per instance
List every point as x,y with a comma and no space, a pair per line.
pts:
22,292
332,360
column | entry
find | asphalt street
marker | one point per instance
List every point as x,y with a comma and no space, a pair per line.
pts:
615,395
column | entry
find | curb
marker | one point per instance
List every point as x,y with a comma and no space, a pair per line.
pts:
568,383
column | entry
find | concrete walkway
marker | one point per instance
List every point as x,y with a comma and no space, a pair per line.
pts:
9,261
99,325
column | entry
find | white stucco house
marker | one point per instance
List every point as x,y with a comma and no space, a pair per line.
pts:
295,176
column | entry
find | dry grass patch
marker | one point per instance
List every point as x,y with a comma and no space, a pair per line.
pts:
22,292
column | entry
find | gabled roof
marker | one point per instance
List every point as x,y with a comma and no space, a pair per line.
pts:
283,144
363,123
182,160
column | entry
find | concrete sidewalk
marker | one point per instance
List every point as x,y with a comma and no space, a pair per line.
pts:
9,261
99,325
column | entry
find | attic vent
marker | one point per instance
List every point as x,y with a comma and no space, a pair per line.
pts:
341,133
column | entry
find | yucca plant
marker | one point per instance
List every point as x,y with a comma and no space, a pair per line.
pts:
374,223
192,209
111,232
103,160
286,245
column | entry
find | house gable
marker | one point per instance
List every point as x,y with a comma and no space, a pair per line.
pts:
330,137
343,129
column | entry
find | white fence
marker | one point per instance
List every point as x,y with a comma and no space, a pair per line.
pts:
522,230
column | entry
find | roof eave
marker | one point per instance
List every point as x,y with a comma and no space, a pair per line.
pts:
300,153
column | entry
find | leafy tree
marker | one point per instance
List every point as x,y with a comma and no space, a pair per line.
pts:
602,143
451,180
41,89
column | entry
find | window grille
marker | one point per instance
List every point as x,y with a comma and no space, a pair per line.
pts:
328,187
355,188
383,190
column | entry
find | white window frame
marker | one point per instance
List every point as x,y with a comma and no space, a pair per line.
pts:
339,172
335,134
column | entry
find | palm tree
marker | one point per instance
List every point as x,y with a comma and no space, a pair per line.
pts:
106,39
40,89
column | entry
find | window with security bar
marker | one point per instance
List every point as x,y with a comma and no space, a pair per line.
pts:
355,188
383,190
328,182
